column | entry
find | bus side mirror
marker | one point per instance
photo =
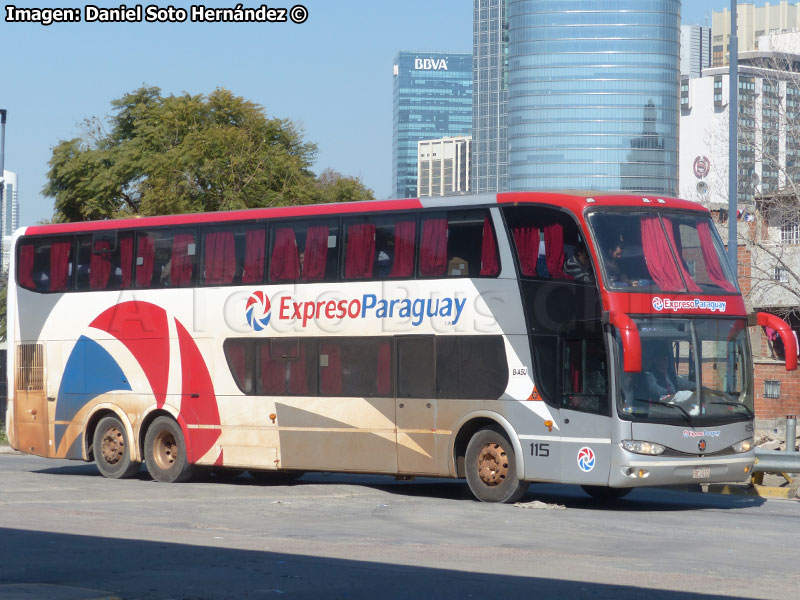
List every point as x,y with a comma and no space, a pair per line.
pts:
631,344
787,337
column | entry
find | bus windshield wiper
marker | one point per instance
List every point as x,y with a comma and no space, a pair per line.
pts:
659,403
729,403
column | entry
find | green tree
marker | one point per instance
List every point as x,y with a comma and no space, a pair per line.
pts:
176,154
332,186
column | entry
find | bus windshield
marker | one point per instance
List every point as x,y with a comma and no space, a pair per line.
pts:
693,370
666,251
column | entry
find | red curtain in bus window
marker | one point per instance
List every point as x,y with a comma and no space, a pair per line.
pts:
527,241
99,265
433,253
554,250
126,259
316,253
298,374
360,256
713,266
690,283
658,256
285,263
25,267
145,254
384,380
254,250
59,265
403,263
489,263
272,374
181,268
330,375
220,257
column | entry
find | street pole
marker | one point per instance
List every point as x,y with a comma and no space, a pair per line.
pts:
733,143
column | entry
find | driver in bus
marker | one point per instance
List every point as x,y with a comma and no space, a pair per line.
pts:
661,382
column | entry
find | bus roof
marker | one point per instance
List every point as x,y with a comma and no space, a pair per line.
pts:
575,201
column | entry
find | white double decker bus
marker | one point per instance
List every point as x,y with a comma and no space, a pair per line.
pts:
598,340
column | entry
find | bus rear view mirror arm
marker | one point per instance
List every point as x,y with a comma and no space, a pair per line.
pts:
787,337
631,344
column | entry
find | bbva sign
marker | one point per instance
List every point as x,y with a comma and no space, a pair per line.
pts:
430,64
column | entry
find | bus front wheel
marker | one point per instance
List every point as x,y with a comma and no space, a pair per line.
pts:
491,467
112,451
165,452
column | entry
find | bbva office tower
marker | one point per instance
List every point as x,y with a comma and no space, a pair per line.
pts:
592,94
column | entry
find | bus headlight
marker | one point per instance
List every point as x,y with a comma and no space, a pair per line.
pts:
640,447
743,446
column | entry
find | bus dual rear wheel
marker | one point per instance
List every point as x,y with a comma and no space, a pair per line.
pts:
165,452
491,466
112,451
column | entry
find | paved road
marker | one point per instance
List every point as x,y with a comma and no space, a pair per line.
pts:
337,536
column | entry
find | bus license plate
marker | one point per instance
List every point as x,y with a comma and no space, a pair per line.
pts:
701,473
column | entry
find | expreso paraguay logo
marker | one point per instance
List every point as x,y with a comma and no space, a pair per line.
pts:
258,309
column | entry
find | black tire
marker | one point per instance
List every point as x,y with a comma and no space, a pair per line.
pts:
276,477
605,493
491,467
111,450
165,452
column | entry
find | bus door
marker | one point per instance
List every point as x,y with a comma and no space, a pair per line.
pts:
585,407
30,400
416,405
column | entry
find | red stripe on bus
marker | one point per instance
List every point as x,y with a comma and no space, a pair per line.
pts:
280,212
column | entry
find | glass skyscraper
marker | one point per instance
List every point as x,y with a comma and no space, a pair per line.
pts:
593,95
490,95
432,99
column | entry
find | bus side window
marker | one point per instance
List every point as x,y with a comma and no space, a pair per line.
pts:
240,357
104,261
458,244
46,265
359,366
166,258
233,255
415,367
380,247
585,376
471,367
306,251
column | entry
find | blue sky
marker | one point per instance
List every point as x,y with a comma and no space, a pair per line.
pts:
331,74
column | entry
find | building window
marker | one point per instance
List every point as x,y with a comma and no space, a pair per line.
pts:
790,232
781,275
772,388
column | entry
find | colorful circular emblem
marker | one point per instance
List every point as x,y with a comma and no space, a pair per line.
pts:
701,445
658,303
586,459
701,166
257,310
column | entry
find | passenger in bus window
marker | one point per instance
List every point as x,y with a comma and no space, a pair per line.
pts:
613,256
578,266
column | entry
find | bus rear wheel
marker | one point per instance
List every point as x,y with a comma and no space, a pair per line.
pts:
165,452
112,451
491,467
